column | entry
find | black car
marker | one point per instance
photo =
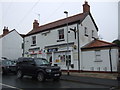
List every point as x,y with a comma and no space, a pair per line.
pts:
38,68
8,66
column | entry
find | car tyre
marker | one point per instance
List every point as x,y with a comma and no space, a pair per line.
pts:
40,77
19,74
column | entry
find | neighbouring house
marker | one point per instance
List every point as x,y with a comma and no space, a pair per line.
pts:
11,44
99,55
50,41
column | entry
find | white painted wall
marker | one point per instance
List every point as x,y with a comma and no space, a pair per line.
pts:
88,60
52,37
0,48
119,20
11,45
90,26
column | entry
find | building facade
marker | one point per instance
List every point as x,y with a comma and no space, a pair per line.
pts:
11,44
50,41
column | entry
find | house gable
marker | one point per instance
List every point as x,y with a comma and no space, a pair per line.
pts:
61,23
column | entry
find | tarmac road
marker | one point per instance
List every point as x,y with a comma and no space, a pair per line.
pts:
11,82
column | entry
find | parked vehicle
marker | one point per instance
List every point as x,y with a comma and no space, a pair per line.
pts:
8,66
38,68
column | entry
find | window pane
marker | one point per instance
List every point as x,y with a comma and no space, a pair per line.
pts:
61,34
34,40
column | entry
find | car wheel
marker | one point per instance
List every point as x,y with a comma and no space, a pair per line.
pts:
40,77
19,74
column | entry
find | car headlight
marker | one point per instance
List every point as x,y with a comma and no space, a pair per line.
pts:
48,70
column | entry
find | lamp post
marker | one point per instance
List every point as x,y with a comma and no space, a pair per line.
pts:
67,43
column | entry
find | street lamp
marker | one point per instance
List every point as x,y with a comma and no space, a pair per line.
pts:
67,43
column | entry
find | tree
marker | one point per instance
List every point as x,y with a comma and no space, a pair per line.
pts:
116,42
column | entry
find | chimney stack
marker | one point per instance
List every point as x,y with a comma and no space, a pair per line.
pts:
86,7
5,30
35,24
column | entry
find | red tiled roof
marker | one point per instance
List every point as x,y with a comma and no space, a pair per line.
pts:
6,34
1,36
79,17
98,44
22,35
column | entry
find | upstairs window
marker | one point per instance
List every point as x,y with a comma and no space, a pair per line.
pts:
61,34
34,40
86,31
92,33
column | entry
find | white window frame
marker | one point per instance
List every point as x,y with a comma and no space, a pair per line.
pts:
61,34
98,56
34,40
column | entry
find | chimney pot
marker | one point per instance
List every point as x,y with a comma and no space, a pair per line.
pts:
5,30
86,7
35,24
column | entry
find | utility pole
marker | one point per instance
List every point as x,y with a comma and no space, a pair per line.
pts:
67,43
78,46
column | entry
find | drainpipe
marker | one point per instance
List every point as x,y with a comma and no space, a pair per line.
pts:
110,60
78,47
23,46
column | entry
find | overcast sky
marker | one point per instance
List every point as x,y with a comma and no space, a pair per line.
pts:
20,15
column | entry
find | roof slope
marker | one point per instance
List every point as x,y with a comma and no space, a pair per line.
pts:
1,36
98,44
70,20
6,34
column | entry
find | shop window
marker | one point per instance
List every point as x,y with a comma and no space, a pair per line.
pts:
62,58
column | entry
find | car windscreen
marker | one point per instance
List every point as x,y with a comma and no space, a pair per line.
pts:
41,62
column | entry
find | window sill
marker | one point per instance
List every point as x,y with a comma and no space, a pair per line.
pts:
98,61
86,35
93,37
60,40
33,45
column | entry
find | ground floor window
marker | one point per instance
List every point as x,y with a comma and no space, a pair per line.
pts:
68,60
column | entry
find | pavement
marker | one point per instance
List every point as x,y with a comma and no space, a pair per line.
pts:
105,79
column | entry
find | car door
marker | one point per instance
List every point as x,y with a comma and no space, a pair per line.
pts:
31,67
